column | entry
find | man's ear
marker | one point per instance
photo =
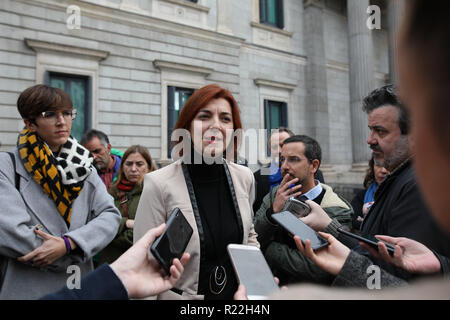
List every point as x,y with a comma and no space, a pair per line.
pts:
315,163
109,147
29,124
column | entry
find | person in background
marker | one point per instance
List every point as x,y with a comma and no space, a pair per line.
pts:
107,163
300,159
55,210
126,190
265,182
214,194
364,199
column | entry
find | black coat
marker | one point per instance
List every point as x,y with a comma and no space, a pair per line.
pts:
400,211
357,204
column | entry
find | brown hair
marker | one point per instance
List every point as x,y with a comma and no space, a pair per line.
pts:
370,174
199,99
39,98
133,149
287,130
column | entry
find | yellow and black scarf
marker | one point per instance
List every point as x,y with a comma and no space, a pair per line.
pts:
60,177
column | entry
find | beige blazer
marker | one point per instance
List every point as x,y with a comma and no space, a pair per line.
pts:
164,190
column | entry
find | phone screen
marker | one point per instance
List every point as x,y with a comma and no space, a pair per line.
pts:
297,227
174,240
252,271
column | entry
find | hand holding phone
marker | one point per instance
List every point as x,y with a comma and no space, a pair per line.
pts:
297,207
373,242
297,227
174,240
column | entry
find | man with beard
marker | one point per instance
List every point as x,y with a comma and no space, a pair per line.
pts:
399,209
106,161
300,159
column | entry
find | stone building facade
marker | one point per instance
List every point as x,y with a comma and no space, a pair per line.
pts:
130,64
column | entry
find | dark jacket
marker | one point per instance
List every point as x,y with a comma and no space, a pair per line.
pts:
124,201
357,205
263,186
400,211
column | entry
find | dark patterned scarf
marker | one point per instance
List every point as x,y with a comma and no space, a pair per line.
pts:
61,177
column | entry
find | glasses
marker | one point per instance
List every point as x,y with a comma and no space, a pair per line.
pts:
292,159
53,116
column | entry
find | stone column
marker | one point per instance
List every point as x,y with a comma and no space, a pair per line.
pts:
316,76
395,10
223,19
361,67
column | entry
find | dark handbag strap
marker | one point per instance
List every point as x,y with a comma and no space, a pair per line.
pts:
17,177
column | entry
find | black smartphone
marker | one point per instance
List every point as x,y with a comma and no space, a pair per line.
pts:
373,242
252,271
297,227
173,241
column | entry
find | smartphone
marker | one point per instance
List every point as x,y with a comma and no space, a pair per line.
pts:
252,271
295,226
373,242
297,207
173,241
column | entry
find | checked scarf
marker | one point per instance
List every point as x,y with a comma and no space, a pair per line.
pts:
61,177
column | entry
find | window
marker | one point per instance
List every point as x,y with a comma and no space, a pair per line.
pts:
176,98
275,116
78,87
271,12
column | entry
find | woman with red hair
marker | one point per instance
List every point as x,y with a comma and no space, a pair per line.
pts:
214,193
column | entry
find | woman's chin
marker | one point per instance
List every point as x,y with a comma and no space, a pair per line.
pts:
212,151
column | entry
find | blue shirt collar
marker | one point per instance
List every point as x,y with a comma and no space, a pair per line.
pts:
314,192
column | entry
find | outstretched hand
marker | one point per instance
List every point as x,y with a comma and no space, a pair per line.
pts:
317,219
409,255
143,277
330,258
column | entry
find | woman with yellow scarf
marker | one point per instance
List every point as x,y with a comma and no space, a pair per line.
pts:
55,212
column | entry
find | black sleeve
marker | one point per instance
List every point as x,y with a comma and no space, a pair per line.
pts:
262,187
100,284
357,204
445,263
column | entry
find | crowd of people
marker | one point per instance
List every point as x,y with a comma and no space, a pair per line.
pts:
92,206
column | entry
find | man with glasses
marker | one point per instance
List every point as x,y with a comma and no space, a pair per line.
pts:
300,159
272,177
55,213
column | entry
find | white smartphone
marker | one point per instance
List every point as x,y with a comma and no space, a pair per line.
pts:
252,271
